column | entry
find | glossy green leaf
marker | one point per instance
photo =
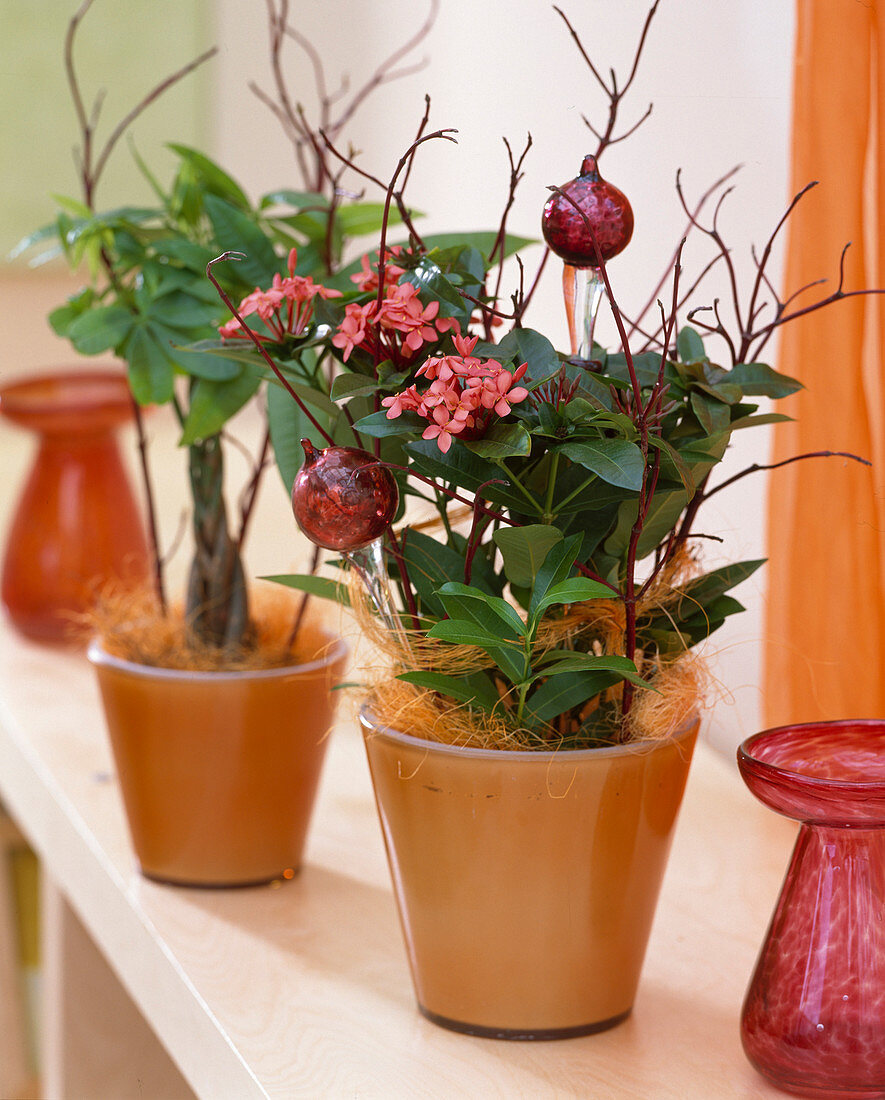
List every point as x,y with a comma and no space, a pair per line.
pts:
151,372
614,460
563,661
501,441
212,177
237,232
492,613
378,426
523,550
556,567
472,688
508,657
560,693
101,329
759,380
324,587
214,403
690,345
572,590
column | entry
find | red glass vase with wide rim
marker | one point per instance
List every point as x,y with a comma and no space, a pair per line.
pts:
526,882
813,1020
76,524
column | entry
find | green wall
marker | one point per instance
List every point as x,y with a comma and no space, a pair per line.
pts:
125,47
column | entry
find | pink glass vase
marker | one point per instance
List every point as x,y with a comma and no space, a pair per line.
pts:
76,524
813,1020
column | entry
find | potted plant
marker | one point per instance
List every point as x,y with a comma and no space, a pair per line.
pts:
538,603
218,709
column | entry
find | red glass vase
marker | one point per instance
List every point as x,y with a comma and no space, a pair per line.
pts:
813,1020
77,524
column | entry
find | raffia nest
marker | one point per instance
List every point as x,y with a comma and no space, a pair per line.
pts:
131,626
596,626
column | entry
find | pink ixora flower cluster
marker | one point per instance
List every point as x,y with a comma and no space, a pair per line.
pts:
464,395
286,308
395,329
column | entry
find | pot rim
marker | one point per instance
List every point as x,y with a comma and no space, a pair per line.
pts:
747,760
371,724
98,656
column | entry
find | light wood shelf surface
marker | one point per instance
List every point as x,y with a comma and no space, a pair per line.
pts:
303,989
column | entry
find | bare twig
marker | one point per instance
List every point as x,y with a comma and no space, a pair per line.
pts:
615,94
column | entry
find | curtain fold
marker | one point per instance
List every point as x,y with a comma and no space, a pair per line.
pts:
825,614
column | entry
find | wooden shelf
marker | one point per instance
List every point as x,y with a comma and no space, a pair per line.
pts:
302,989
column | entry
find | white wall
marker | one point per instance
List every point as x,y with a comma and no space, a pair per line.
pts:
718,72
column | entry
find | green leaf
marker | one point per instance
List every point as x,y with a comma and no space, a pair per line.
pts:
461,467
492,613
324,587
360,218
502,441
432,284
690,345
664,511
348,384
758,420
473,688
560,693
285,197
236,231
561,661
214,179
524,345
705,590
573,590
378,426
509,657
712,415
484,242
523,549
708,619
101,329
151,371
214,403
556,567
759,380
288,426
430,564
614,460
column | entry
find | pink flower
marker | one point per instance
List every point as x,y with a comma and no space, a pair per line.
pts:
367,279
464,395
296,291
352,330
497,390
443,429
402,312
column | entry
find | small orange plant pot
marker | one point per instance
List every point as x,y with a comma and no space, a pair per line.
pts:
219,770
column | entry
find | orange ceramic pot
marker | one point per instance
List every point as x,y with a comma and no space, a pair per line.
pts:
218,770
526,881
76,524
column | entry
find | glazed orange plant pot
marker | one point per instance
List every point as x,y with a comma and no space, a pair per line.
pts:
219,770
526,882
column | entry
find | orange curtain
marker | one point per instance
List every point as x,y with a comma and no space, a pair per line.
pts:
825,625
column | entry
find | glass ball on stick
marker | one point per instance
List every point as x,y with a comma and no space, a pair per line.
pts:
587,199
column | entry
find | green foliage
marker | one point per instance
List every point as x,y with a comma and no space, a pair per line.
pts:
570,493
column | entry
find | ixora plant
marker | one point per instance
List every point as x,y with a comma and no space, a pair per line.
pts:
555,598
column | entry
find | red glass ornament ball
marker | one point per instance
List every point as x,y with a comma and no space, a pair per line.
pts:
343,498
607,210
